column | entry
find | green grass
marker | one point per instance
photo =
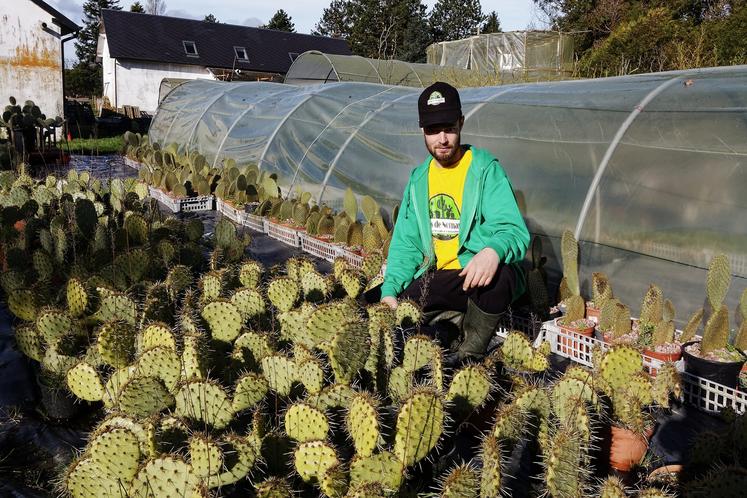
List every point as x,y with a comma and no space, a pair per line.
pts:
95,146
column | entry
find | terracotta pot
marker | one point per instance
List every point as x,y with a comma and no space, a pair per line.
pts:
573,347
665,357
627,448
593,313
664,472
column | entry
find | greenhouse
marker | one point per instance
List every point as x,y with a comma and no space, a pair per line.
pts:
314,67
647,170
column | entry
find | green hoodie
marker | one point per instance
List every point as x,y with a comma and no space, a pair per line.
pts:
489,218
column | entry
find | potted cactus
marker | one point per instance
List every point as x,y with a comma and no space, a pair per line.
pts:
601,292
660,341
634,397
615,324
714,357
573,323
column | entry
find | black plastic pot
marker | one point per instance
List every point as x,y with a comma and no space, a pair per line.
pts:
723,372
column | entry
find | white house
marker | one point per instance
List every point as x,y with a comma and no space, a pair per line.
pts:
32,34
138,51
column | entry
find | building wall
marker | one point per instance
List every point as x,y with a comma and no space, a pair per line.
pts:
136,83
30,58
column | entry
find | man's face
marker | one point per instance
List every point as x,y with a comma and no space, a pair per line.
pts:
443,142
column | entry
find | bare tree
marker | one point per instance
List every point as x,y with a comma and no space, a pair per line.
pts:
155,7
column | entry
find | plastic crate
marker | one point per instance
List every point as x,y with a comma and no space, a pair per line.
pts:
353,259
187,204
318,248
710,396
256,223
283,234
132,163
233,214
704,394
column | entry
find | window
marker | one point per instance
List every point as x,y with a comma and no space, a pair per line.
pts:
293,56
241,53
190,48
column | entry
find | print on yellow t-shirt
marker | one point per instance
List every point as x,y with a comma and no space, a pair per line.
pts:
445,188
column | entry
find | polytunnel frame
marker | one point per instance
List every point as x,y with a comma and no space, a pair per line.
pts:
239,118
306,152
228,90
602,166
377,72
168,132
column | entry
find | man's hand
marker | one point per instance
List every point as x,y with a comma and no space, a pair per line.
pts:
390,301
480,270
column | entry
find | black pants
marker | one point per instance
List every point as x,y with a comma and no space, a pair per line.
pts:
441,290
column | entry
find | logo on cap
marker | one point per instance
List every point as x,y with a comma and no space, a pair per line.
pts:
436,98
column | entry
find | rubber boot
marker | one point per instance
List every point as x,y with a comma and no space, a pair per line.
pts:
478,329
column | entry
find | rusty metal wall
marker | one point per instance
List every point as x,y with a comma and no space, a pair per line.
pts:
30,58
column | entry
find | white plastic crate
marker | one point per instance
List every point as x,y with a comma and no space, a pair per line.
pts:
256,223
353,259
232,213
710,396
283,234
318,248
132,163
704,394
199,203
187,204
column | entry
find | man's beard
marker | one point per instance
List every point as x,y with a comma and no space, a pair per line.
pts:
450,158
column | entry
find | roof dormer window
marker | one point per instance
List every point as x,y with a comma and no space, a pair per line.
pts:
190,48
241,53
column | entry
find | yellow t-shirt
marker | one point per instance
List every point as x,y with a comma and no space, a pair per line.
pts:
445,187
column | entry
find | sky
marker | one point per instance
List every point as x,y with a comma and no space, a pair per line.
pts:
513,14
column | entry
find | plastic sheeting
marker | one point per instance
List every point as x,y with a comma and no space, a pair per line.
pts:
649,170
537,53
315,67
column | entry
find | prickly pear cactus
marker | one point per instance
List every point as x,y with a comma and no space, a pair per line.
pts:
305,423
462,482
491,477
283,293
363,424
224,320
204,401
470,388
84,381
313,458
419,426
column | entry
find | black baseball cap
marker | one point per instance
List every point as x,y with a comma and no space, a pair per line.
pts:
439,104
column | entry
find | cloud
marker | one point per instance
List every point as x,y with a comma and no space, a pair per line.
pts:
253,21
183,14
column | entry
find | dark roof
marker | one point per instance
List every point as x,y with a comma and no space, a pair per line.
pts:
66,25
138,36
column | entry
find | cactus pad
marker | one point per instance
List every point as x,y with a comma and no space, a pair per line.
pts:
224,320
116,343
312,459
469,389
280,372
311,375
462,482
419,426
84,381
363,424
305,423
249,302
250,389
172,476
383,468
161,362
143,396
283,292
204,401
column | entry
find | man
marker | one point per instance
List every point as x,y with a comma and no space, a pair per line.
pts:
459,216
